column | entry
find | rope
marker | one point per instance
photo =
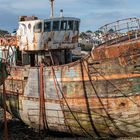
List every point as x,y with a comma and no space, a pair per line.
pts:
61,104
115,86
88,106
103,116
118,90
82,128
112,134
102,103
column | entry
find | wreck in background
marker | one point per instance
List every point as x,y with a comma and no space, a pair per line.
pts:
6,55
94,96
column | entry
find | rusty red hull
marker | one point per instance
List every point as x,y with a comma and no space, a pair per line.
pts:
97,96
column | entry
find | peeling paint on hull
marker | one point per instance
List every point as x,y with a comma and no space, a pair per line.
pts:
96,95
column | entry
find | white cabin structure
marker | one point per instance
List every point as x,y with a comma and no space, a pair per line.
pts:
37,39
47,34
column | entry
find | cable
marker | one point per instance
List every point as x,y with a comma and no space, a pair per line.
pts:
115,86
87,103
61,104
102,103
82,128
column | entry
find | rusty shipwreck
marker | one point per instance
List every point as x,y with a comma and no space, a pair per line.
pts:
6,55
96,96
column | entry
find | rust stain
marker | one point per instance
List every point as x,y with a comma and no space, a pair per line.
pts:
107,77
116,50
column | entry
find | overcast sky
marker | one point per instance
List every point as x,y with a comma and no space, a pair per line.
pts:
93,13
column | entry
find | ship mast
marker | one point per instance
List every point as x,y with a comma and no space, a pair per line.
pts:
51,5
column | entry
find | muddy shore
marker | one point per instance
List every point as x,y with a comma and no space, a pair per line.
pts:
19,131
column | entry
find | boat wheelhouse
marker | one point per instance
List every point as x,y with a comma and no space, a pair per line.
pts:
58,36
48,34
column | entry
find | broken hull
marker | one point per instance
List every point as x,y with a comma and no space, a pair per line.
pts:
96,96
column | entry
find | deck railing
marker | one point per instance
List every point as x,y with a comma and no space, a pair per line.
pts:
119,31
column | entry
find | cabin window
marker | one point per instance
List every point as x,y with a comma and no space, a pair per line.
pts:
63,25
38,28
77,25
70,25
56,26
47,26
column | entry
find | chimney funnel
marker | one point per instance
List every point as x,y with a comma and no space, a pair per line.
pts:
61,13
51,6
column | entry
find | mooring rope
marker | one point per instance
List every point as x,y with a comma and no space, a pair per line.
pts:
102,103
70,129
112,134
82,128
87,104
115,86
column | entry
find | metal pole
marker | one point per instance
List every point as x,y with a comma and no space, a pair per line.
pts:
4,104
42,115
41,125
51,5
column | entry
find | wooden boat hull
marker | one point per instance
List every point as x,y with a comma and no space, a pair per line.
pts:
97,96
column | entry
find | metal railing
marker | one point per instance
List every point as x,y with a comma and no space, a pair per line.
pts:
119,31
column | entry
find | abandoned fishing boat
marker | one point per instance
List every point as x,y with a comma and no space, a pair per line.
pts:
96,96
